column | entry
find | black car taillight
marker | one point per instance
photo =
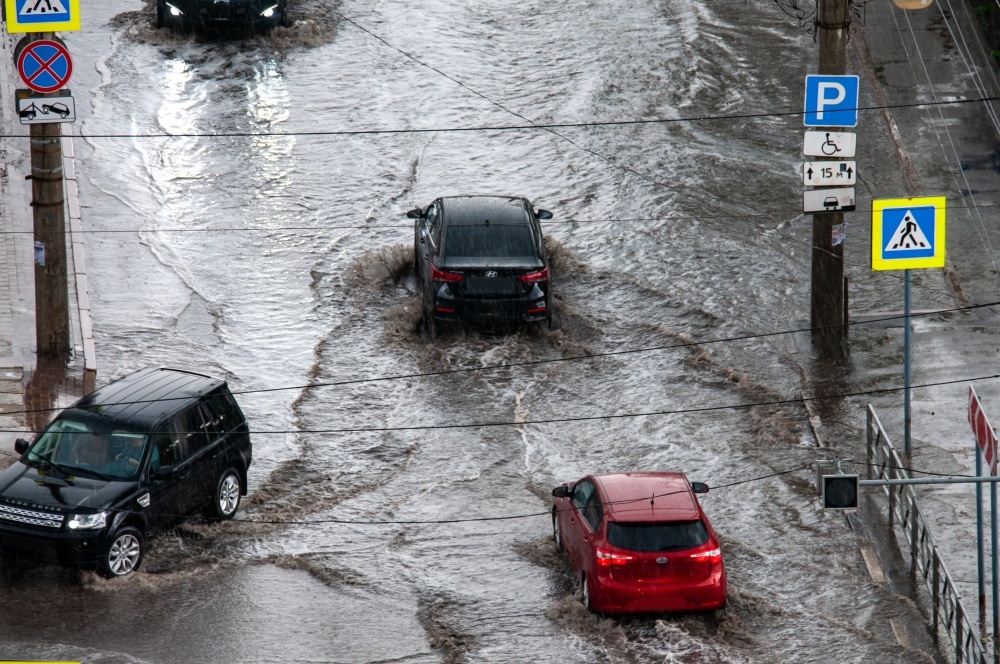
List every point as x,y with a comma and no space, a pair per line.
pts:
441,275
534,277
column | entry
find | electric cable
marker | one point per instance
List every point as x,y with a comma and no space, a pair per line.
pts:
587,418
745,216
512,127
528,363
506,517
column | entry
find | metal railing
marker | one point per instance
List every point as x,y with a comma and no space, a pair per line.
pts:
947,611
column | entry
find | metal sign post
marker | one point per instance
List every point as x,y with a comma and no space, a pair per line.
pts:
907,418
980,543
907,233
986,443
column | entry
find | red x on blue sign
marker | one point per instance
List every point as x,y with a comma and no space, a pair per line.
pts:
44,65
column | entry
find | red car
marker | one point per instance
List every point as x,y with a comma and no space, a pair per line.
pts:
640,542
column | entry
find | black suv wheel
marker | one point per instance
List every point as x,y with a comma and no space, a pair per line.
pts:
226,499
123,554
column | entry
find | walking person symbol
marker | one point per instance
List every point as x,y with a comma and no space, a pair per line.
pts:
908,237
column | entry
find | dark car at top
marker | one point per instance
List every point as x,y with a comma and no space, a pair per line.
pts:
132,458
482,259
640,542
241,16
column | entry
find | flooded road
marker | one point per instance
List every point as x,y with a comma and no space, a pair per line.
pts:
261,247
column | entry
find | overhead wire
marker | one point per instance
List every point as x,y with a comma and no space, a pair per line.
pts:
529,363
977,219
525,515
525,127
505,517
591,418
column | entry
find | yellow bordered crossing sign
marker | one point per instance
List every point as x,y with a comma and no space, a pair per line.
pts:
908,233
42,15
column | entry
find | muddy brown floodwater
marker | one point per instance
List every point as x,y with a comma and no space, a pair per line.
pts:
259,245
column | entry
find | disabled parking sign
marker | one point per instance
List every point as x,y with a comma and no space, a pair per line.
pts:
42,15
831,101
908,233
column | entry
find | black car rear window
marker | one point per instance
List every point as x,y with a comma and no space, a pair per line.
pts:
672,536
496,240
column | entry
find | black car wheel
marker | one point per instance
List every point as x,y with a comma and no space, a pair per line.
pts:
226,499
586,592
556,530
417,271
430,323
123,555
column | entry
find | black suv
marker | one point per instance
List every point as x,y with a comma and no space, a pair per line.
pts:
234,15
481,259
134,457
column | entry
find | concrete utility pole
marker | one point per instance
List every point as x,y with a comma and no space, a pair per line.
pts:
827,307
49,215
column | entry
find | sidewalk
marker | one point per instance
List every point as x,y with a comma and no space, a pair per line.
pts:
24,385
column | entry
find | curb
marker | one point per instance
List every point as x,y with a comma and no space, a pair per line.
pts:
72,197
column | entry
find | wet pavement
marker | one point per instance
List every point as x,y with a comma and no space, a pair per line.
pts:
276,257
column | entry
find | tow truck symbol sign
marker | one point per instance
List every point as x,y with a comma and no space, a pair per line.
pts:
39,110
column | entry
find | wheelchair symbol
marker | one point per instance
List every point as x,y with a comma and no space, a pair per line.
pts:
828,147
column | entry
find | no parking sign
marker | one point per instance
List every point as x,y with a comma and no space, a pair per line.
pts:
44,64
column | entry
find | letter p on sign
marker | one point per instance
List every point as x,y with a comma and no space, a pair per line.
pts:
831,101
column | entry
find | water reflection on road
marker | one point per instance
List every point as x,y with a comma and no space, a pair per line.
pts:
277,258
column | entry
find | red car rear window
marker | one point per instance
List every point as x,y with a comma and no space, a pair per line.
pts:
672,536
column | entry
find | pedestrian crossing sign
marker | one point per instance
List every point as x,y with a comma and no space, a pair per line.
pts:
908,233
42,15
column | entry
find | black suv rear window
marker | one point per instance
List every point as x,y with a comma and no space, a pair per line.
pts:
496,240
672,536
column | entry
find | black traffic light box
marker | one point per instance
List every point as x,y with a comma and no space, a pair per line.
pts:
840,492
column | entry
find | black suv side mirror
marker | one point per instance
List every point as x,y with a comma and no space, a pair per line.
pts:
416,213
543,214
165,473
699,487
21,445
560,491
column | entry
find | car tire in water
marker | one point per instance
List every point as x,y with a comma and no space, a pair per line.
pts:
226,497
556,530
430,323
417,272
123,554
161,14
586,592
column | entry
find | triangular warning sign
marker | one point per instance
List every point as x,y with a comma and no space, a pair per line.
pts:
908,236
41,7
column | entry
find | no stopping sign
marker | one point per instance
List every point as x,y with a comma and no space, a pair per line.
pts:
44,64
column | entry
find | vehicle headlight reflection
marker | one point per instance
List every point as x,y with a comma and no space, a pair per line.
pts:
87,521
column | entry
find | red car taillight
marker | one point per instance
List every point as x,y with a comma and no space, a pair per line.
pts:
607,559
714,556
541,275
441,275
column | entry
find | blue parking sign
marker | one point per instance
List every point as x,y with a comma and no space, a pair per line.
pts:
831,101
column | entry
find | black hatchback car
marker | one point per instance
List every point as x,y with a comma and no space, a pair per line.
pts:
232,15
134,457
481,259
